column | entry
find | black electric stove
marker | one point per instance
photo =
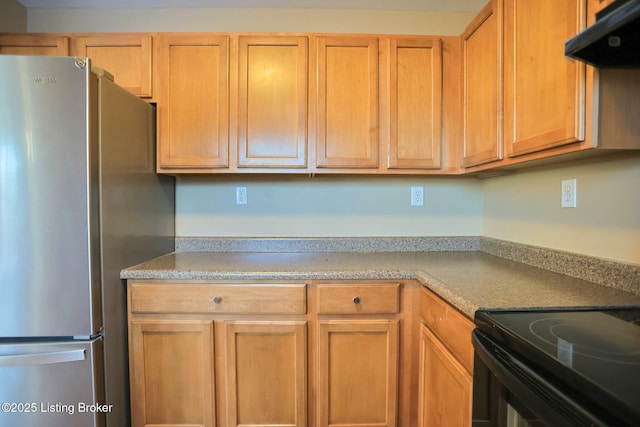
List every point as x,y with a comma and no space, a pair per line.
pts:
592,356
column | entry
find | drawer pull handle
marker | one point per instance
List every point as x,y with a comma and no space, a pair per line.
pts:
217,299
356,300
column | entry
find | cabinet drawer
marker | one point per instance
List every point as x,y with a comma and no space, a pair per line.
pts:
219,299
359,298
449,325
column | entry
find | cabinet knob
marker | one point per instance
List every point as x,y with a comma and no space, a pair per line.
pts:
356,300
217,299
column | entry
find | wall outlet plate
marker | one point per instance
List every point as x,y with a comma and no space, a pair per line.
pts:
241,195
417,196
569,195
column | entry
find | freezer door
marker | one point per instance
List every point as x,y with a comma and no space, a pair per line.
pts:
49,268
53,385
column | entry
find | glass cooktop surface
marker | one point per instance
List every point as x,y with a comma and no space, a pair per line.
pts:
594,353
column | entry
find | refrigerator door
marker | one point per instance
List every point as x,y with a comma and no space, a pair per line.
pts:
136,221
51,384
48,199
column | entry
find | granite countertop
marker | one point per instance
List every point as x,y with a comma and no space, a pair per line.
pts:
469,280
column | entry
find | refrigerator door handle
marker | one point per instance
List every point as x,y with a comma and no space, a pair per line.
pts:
44,358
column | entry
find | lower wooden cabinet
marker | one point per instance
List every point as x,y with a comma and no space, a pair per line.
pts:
211,354
445,386
445,365
172,375
358,354
317,354
266,373
358,382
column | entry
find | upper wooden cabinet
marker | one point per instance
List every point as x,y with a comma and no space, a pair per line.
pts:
272,101
502,95
379,104
347,102
482,88
193,101
230,103
34,44
553,108
415,103
544,92
128,57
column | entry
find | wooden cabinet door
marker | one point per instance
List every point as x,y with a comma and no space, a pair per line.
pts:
482,90
445,386
544,92
172,373
358,368
272,101
266,373
193,101
125,56
34,44
347,102
415,98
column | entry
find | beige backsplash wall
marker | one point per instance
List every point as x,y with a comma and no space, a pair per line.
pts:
328,206
268,20
524,207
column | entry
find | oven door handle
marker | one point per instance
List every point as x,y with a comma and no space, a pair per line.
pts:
547,400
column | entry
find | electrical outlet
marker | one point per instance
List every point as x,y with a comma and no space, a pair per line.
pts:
569,193
417,196
241,195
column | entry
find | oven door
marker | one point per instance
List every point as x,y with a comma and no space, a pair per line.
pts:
508,393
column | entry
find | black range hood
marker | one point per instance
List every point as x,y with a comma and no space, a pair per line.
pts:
613,41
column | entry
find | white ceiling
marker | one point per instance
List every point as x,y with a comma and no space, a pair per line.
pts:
421,5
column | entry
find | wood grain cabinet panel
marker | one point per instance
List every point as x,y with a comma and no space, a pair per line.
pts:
544,92
359,298
257,376
260,363
266,373
358,365
193,105
218,298
34,44
482,92
272,101
445,364
172,373
445,388
347,102
128,57
451,326
415,86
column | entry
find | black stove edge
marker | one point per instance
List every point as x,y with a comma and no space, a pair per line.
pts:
604,404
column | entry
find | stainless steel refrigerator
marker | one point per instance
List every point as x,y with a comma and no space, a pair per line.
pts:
79,201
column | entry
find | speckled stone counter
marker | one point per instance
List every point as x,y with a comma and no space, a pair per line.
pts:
468,279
